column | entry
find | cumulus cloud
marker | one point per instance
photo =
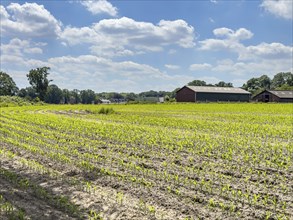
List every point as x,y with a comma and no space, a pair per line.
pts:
99,74
125,36
100,7
74,35
17,47
247,68
20,55
3,13
28,20
172,67
231,41
240,34
89,64
263,58
267,51
201,66
279,8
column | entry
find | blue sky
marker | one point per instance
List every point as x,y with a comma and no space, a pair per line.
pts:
135,46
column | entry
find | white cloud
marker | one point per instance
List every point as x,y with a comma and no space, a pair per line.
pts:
93,65
231,42
264,58
34,50
3,13
28,20
74,35
172,67
100,7
17,47
125,36
215,44
279,8
176,32
11,59
265,66
267,51
240,34
101,74
202,66
19,55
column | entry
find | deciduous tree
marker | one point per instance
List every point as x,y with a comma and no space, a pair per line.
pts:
7,85
38,78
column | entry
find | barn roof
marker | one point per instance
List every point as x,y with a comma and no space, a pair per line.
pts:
214,89
282,94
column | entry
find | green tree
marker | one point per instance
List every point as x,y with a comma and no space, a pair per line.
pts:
7,85
150,93
167,98
224,84
66,96
281,79
87,96
74,97
39,81
131,96
252,85
264,82
54,94
285,87
197,83
173,93
28,93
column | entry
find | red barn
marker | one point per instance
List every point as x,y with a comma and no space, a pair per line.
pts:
274,96
212,94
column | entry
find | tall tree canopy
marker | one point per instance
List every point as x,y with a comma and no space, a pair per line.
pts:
28,92
7,85
224,84
203,83
39,81
197,83
87,96
54,94
281,79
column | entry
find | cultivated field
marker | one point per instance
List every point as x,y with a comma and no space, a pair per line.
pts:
176,161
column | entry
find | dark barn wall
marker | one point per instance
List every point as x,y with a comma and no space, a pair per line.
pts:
266,97
185,95
214,97
286,100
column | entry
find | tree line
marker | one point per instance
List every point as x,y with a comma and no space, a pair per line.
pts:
42,90
280,81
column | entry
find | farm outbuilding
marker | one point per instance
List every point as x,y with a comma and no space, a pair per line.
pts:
211,94
274,96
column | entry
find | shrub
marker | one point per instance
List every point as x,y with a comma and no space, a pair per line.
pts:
106,111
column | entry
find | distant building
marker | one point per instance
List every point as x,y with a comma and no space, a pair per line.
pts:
212,94
274,96
105,101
